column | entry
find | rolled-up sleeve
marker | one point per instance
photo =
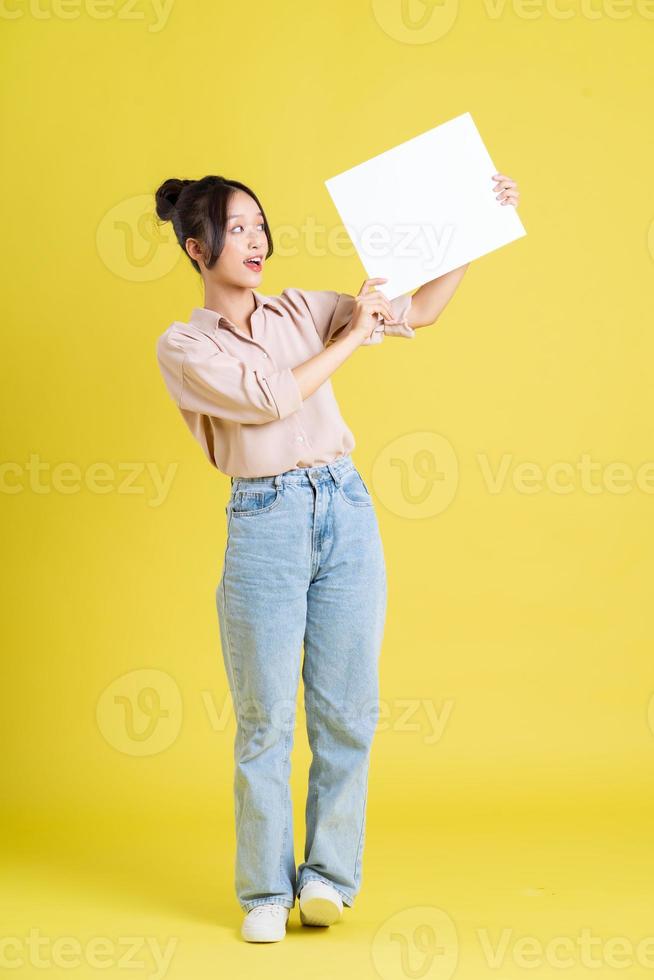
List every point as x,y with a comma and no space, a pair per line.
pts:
202,378
332,312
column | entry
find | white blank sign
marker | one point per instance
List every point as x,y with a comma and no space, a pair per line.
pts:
424,207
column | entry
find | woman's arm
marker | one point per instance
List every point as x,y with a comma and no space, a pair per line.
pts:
430,300
314,372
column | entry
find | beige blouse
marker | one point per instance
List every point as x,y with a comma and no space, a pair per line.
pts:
238,395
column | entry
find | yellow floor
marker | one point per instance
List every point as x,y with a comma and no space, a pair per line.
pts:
496,891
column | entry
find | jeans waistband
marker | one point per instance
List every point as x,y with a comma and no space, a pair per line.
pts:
302,474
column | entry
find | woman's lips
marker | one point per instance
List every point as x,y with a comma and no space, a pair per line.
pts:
255,266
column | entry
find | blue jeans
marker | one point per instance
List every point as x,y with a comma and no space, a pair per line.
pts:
304,564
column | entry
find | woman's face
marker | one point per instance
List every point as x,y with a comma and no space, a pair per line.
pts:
245,238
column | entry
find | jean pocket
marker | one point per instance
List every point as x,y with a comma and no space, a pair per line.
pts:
353,489
250,503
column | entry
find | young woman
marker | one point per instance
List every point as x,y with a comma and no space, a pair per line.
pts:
303,564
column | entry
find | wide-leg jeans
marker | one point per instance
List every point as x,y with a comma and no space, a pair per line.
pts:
303,567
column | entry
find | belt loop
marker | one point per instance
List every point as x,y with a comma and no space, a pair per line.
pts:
334,472
278,480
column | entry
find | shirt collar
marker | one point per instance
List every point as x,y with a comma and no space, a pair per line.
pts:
209,320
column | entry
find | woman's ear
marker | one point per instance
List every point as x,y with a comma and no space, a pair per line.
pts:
194,249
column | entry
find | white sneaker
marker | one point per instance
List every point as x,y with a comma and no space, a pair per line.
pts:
320,904
265,923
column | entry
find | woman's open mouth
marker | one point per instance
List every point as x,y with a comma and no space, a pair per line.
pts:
254,263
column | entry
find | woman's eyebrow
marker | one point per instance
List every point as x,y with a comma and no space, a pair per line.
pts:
230,216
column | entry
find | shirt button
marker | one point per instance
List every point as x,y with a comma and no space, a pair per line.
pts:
265,355
300,438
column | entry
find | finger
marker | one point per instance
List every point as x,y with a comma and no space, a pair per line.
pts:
383,307
372,297
369,282
380,303
378,308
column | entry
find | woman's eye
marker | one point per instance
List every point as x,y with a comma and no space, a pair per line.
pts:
240,226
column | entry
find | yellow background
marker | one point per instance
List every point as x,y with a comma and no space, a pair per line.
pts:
521,620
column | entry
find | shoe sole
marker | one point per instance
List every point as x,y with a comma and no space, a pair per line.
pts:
252,937
319,912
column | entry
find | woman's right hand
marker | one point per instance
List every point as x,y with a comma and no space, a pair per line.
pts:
366,304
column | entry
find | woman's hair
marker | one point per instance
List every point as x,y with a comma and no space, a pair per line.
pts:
198,209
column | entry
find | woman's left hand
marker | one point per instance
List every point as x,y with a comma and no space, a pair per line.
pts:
509,193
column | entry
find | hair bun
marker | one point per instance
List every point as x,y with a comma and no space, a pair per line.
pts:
167,195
